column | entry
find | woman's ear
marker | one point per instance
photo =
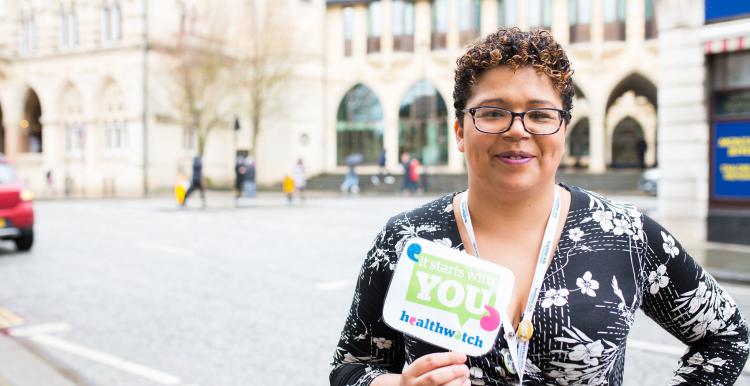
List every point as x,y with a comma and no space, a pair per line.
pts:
459,131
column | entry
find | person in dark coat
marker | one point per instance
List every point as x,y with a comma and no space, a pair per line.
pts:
197,181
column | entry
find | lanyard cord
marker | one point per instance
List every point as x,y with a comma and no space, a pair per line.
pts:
519,349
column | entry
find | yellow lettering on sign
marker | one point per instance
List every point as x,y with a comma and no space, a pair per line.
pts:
735,172
736,146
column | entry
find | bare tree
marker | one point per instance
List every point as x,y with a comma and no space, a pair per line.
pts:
266,62
202,74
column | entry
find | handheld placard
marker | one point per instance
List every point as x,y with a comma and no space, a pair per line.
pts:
447,298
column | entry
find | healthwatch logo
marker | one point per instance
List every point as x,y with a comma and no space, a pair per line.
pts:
437,328
442,284
447,298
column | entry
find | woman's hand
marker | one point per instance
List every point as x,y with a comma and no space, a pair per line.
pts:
438,369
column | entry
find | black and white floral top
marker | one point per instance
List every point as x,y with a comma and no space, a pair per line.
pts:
611,261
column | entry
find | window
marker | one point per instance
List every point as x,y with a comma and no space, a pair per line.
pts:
116,23
540,14
439,35
403,25
374,26
469,20
111,23
423,124
614,19
348,14
730,83
580,20
72,28
359,126
113,120
105,25
63,28
650,20
74,138
27,42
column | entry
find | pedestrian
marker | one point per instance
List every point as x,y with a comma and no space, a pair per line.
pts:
351,180
415,172
406,184
50,187
240,172
196,182
287,186
573,302
382,170
300,181
641,147
250,177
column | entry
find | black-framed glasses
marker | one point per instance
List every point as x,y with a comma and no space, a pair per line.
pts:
497,120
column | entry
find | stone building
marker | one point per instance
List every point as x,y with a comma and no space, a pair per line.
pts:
704,119
85,87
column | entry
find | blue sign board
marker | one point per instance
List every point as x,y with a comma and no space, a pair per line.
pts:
726,9
731,163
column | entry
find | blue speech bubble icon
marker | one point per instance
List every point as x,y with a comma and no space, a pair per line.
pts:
413,251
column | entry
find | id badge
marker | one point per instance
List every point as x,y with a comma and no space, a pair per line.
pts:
447,298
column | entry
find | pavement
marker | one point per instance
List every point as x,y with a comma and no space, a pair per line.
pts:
22,366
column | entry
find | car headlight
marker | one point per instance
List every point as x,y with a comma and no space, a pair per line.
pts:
26,195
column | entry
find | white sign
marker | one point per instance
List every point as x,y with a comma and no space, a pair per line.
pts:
447,298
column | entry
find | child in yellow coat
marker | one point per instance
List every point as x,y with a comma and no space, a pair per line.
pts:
288,187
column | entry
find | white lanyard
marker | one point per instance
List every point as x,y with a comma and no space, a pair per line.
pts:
519,349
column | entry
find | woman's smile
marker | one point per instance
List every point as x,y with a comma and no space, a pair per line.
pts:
515,157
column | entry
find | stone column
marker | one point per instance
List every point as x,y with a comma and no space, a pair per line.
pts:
683,130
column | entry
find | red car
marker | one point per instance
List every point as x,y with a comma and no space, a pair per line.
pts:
16,211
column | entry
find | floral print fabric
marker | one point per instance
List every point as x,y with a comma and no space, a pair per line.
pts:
611,260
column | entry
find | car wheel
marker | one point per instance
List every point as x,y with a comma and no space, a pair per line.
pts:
25,241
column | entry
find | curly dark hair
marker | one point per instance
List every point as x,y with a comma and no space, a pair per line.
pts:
514,48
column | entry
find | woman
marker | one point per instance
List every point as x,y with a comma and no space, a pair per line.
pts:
513,93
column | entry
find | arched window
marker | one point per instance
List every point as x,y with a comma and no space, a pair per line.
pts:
578,142
423,124
628,144
31,124
71,114
359,125
113,120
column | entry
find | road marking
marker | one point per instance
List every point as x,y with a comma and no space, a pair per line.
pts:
39,329
107,359
334,285
666,349
9,319
167,249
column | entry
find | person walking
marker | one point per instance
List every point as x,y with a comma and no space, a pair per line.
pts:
196,182
249,177
240,171
287,186
300,181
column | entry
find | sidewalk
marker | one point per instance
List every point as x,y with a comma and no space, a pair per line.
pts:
726,262
21,367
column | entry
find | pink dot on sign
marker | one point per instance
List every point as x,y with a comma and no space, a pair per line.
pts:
491,321
412,320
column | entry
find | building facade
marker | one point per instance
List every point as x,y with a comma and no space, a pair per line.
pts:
704,119
86,85
390,76
87,94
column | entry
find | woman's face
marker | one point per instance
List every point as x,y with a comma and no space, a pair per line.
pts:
514,161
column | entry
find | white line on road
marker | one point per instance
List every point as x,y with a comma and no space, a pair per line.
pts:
665,349
39,329
107,359
334,285
167,249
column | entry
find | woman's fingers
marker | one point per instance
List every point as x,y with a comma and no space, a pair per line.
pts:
444,375
459,382
434,361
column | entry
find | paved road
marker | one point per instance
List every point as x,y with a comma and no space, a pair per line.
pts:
135,292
